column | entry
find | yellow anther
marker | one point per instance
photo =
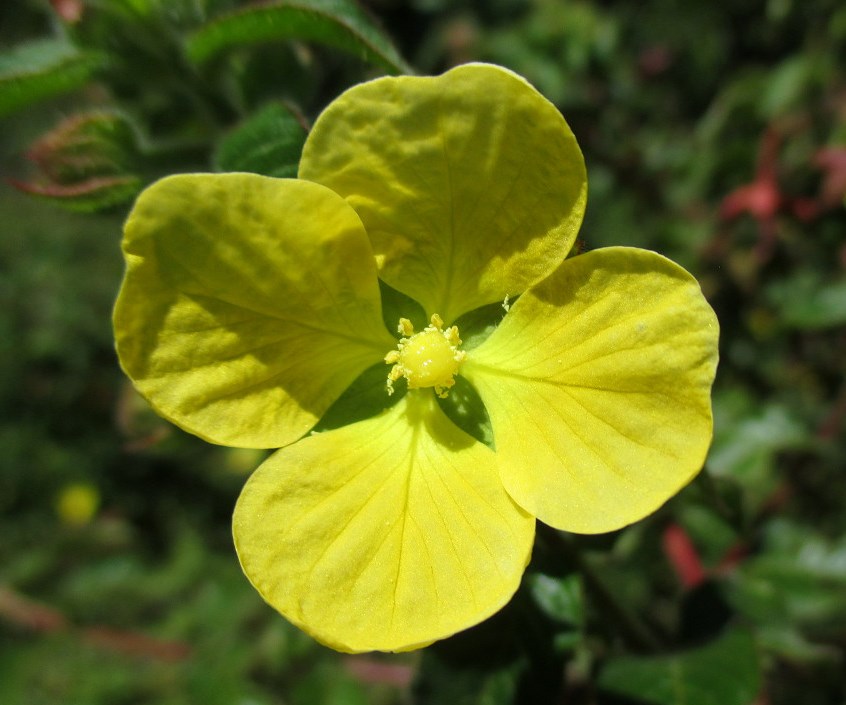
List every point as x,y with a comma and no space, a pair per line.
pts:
405,328
427,359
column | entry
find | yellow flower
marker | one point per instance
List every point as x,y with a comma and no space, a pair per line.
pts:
250,304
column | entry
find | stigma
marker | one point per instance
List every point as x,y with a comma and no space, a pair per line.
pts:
430,358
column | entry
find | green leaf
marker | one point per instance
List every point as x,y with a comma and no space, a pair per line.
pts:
40,69
269,142
807,301
559,598
326,684
797,580
724,672
710,531
337,23
787,86
748,436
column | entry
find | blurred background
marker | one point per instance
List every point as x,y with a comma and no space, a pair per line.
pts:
714,132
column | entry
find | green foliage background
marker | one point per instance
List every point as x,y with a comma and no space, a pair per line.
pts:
714,132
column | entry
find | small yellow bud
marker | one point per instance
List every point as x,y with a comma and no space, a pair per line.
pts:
77,503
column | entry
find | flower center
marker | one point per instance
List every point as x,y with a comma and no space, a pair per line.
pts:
429,358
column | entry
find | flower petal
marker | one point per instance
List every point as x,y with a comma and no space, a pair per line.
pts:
471,185
598,384
248,306
383,535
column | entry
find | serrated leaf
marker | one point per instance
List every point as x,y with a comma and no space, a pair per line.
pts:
269,143
724,672
87,163
40,69
88,196
337,23
87,145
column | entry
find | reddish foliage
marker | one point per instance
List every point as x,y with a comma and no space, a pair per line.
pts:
135,644
763,199
28,614
89,187
368,670
683,556
832,162
69,10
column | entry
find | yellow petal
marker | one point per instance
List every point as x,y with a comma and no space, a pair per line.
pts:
471,185
597,384
248,306
383,535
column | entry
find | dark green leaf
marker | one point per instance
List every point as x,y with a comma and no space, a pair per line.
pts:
509,659
269,142
475,326
464,406
40,69
337,23
443,684
724,672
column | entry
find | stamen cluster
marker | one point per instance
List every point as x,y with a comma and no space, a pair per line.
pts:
429,358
